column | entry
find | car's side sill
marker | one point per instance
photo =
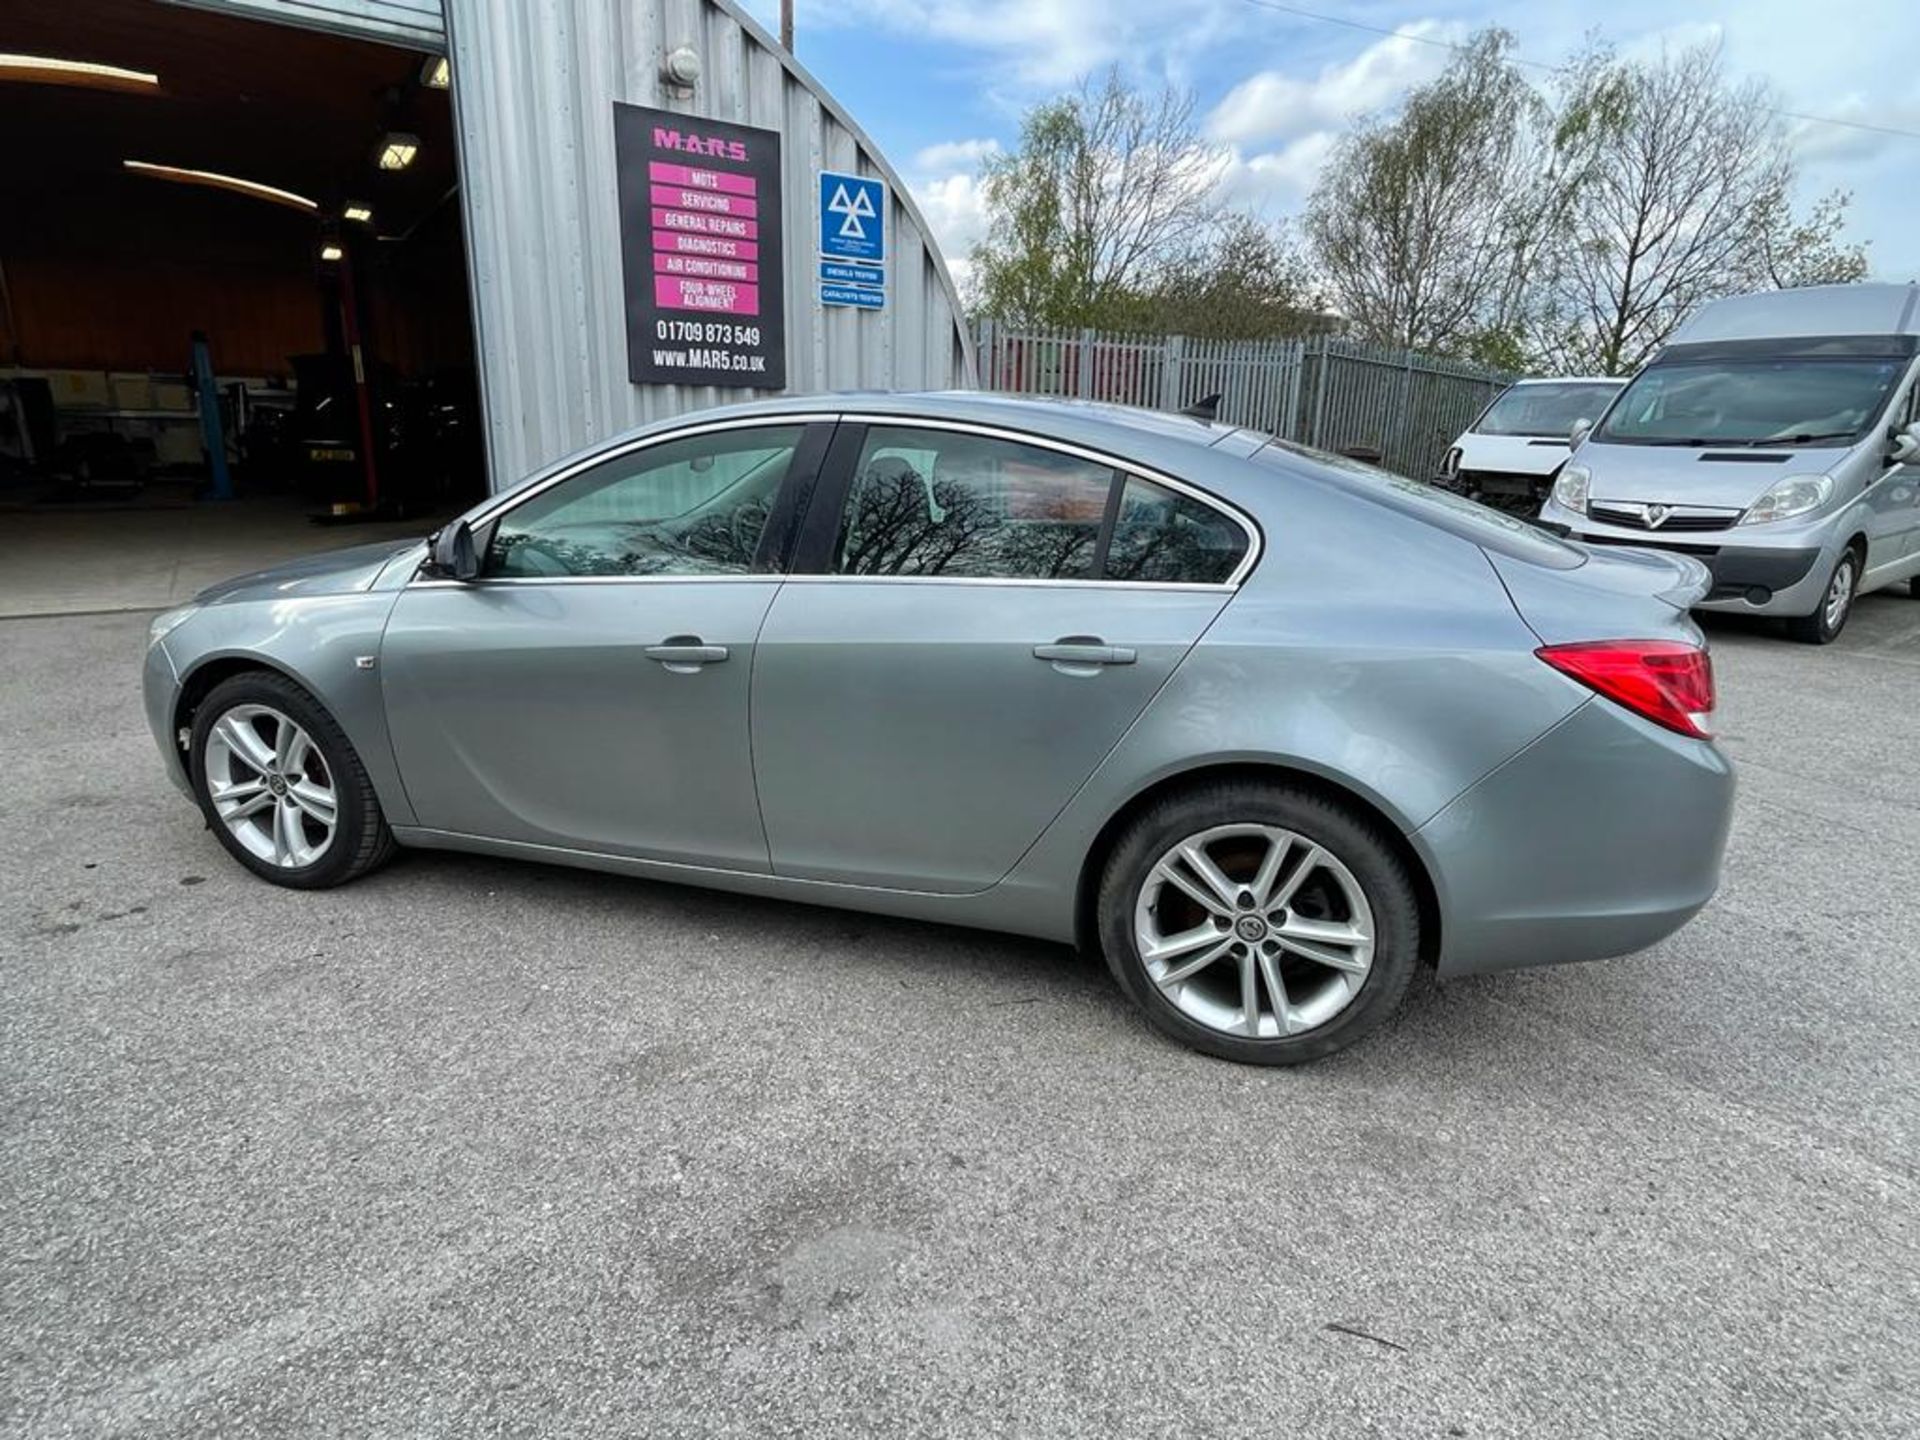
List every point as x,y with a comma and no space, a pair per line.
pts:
979,909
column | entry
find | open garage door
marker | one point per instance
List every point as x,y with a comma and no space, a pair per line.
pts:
233,298
402,22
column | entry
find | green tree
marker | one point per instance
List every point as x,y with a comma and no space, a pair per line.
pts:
1240,280
1688,200
1430,227
1103,197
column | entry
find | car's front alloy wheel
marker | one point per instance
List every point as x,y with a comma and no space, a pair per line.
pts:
270,786
281,786
1259,923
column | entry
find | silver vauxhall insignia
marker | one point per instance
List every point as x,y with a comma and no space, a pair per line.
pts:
1271,730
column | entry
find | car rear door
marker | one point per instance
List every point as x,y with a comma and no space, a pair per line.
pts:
975,619
589,690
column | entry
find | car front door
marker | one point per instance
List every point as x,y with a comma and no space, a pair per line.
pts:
975,619
589,690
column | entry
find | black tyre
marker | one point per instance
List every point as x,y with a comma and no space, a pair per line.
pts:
282,788
1829,618
1913,587
1259,923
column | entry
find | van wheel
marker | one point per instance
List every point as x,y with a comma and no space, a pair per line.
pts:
1836,604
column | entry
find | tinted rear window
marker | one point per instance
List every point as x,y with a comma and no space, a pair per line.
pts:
1501,533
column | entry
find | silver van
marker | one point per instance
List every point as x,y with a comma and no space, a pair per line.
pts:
1777,438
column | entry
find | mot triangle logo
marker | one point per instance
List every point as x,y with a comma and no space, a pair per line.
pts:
853,209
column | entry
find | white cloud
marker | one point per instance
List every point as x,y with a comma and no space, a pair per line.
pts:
1650,46
1046,43
956,210
1277,105
945,181
953,156
1279,181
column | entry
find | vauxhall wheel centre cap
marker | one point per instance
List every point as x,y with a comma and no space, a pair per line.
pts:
1251,927
277,785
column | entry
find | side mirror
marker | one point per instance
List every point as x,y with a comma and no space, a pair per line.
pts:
451,552
1582,428
1906,445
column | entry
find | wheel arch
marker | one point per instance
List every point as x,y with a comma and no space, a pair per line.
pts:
199,682
1086,895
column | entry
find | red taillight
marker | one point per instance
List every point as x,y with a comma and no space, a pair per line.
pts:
1668,682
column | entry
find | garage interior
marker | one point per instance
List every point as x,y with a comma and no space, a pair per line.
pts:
210,220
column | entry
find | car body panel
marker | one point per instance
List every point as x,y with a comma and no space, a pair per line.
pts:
1650,591
325,572
904,730
529,710
318,639
1578,872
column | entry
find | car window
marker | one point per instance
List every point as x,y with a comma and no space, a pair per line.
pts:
683,507
941,502
1162,536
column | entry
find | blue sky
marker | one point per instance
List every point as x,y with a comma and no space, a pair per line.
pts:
938,82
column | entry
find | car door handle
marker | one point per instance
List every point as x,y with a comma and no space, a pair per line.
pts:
1076,652
685,654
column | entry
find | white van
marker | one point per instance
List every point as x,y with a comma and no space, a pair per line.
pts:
1776,438
1508,457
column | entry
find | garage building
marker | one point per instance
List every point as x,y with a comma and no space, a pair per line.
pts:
374,257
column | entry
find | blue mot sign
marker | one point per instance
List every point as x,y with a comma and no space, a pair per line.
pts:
853,217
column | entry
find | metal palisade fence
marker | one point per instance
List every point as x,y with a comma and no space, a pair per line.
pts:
1335,394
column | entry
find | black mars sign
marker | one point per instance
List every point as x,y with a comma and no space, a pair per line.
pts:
700,233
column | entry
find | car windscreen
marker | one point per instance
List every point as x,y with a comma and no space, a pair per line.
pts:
1543,411
1789,400
1490,529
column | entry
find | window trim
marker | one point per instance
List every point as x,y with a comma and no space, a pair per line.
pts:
836,482
789,506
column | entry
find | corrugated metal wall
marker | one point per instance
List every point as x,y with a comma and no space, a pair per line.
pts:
404,22
534,89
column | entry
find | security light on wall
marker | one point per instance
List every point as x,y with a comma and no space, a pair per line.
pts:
397,149
437,73
681,68
359,214
331,251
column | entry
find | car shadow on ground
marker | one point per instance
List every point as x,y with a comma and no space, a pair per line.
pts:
908,957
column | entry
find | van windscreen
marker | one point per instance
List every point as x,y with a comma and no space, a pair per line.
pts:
1786,400
1545,411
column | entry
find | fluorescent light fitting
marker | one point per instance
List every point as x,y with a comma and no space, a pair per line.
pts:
359,214
216,181
437,73
49,70
331,251
398,149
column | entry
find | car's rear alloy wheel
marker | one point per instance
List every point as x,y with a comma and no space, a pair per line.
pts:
1254,931
1260,923
281,786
